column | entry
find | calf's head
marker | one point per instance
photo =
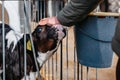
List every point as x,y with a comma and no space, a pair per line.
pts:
47,37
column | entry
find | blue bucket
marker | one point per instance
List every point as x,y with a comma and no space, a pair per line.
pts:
93,41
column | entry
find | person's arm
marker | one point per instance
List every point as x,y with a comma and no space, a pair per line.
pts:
76,10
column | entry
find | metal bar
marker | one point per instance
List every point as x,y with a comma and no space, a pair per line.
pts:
56,65
37,7
81,72
48,69
52,69
96,74
40,15
44,6
25,58
25,52
61,61
87,73
45,70
29,9
56,7
40,9
44,15
74,62
29,30
49,8
67,51
78,71
3,37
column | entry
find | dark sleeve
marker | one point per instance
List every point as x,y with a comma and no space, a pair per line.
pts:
117,30
116,39
76,10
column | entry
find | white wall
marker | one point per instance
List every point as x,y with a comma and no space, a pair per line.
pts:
12,8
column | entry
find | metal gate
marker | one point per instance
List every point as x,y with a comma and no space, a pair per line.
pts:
63,65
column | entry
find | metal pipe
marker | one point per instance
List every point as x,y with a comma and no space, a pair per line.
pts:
25,58
81,72
52,68
61,62
50,8
3,39
78,71
29,30
67,51
87,73
74,62
56,65
96,74
48,68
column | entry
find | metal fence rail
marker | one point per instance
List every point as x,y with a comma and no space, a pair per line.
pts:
63,65
3,35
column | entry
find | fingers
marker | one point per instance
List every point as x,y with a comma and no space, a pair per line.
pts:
49,21
59,26
43,21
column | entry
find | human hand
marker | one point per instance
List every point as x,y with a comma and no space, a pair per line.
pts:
53,22
49,21
13,37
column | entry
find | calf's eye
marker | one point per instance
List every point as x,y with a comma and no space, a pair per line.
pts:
39,29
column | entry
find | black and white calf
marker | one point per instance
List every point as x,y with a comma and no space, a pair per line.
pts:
46,40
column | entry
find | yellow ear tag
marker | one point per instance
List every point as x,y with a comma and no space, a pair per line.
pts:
29,46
